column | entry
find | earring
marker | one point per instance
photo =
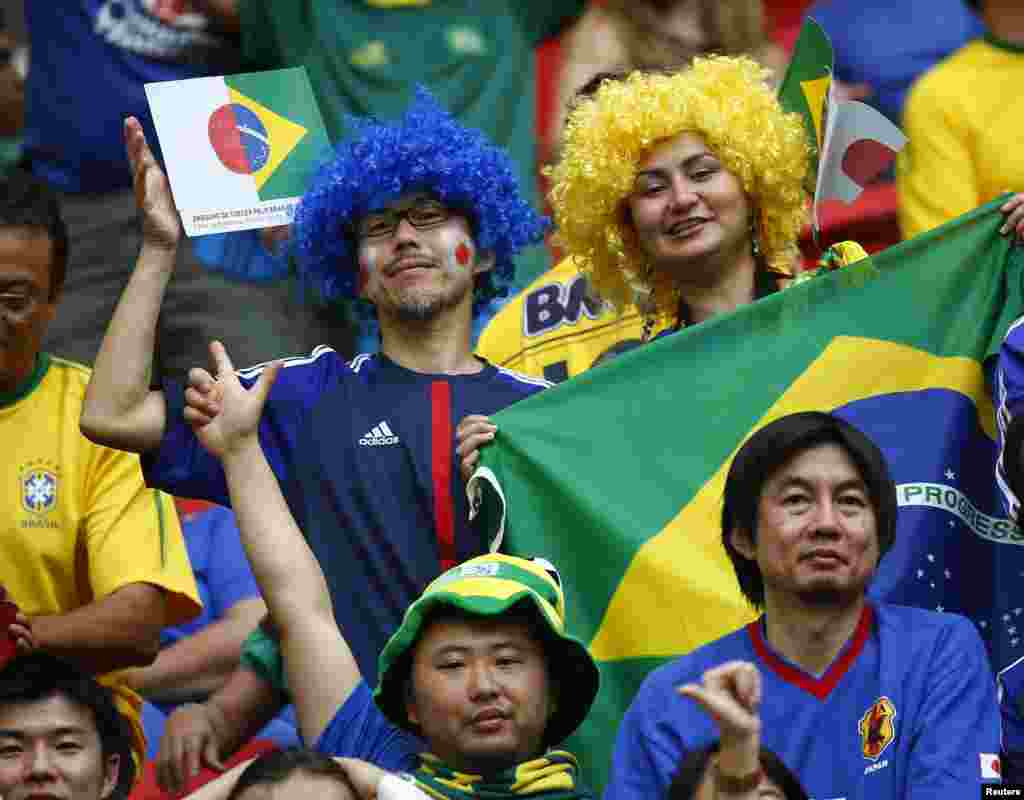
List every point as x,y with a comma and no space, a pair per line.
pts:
755,240
645,334
647,308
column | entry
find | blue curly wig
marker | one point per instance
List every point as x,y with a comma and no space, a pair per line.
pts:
426,150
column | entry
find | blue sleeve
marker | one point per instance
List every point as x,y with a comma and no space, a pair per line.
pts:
181,466
228,572
1009,395
958,724
1011,708
359,730
644,760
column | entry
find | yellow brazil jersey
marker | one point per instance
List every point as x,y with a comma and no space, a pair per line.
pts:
964,135
554,329
77,521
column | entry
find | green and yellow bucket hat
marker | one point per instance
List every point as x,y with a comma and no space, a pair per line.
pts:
489,586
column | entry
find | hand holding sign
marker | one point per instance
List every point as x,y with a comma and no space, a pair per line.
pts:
161,226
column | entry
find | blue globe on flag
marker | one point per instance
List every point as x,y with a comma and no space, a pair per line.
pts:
239,138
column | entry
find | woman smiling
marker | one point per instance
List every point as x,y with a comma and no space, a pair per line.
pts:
684,188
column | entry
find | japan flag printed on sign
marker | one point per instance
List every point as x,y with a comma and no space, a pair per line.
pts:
990,767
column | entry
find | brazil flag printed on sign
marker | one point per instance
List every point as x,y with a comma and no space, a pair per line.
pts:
617,475
240,148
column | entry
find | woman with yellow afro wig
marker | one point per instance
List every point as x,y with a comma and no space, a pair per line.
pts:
685,190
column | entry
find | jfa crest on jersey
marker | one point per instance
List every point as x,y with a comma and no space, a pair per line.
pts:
877,728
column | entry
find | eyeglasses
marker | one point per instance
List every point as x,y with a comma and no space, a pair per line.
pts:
422,215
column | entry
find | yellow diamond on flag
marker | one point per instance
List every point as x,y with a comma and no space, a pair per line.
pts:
815,92
283,134
685,567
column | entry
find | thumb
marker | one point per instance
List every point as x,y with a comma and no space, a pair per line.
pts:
221,361
265,381
211,755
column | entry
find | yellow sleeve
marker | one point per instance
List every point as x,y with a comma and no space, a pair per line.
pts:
501,341
935,172
133,535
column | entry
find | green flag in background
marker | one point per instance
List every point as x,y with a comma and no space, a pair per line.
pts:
806,84
617,475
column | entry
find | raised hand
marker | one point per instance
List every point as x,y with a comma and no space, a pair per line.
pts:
161,225
731,695
233,423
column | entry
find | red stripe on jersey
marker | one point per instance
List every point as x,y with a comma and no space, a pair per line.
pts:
441,469
819,687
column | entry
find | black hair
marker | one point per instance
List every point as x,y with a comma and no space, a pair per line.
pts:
278,766
38,676
691,771
26,202
767,451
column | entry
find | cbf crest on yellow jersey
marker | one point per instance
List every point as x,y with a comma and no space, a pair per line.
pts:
39,482
78,521
556,329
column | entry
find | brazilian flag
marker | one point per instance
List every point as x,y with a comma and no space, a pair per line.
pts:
806,84
617,475
289,113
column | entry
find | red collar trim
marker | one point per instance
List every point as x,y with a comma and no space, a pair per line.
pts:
819,687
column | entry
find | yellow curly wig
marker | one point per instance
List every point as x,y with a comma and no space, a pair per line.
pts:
729,104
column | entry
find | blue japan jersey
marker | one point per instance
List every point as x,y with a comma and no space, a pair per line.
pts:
907,711
359,730
365,454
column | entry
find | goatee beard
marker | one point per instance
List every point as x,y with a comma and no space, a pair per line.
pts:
424,309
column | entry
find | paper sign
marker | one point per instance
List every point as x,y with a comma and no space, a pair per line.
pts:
239,149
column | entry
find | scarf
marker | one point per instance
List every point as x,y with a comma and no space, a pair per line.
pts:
551,777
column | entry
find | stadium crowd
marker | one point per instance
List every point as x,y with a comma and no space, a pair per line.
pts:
272,580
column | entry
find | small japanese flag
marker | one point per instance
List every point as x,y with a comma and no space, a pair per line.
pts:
990,765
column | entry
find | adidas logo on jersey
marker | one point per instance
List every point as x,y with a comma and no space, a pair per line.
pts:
380,436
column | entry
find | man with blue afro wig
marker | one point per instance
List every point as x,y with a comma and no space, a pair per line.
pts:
415,217
427,151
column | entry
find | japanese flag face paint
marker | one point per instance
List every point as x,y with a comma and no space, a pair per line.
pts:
368,265
419,266
461,253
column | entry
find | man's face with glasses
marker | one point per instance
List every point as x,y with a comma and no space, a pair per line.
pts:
26,302
417,257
